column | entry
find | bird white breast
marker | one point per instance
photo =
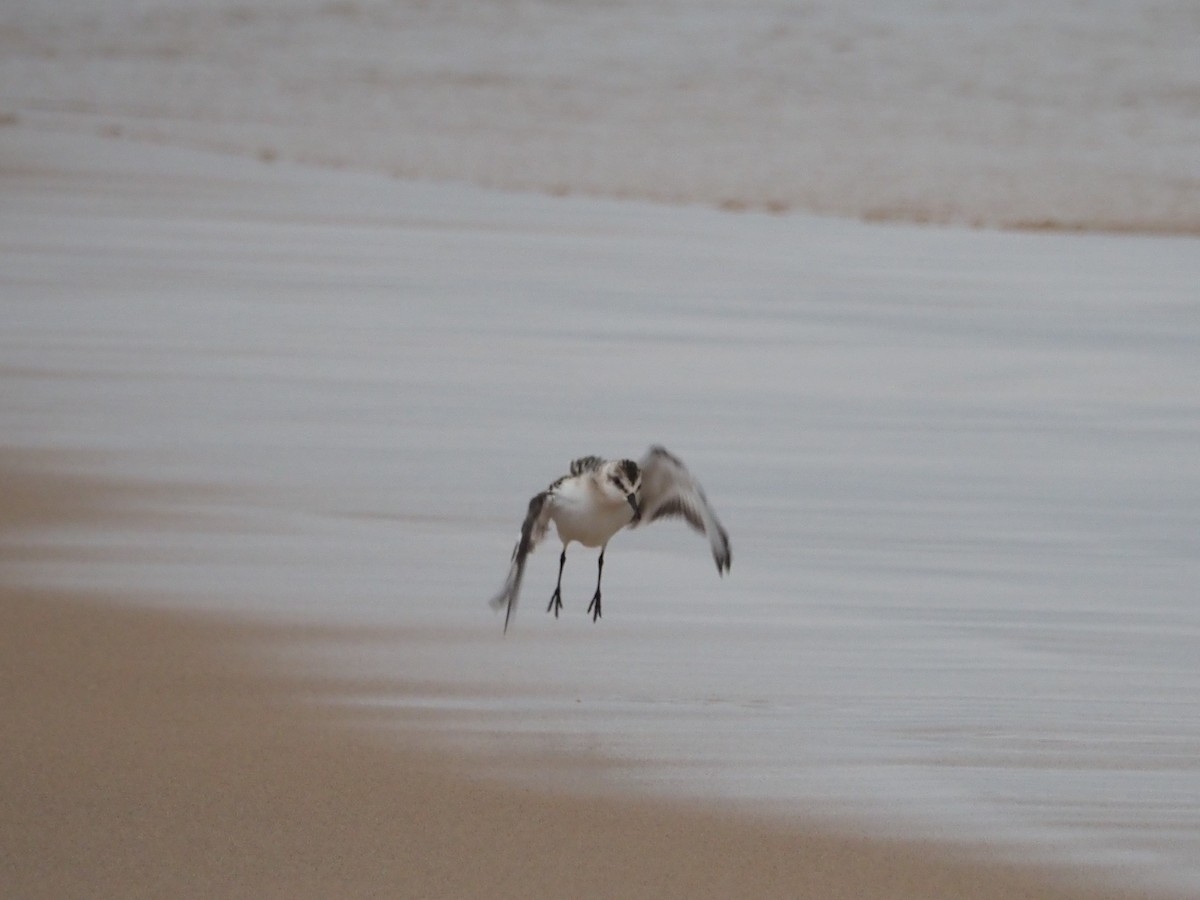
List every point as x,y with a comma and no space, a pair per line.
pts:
582,513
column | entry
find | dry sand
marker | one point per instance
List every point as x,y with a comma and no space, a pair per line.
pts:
147,753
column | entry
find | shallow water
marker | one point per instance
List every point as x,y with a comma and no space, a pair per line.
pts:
1059,114
958,470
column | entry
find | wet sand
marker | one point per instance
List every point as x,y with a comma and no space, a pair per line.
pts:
156,754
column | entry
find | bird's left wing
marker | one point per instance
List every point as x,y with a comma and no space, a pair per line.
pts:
533,529
668,489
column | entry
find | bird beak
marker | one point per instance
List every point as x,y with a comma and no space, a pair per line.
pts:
633,502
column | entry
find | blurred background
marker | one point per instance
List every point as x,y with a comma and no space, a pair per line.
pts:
352,280
1061,114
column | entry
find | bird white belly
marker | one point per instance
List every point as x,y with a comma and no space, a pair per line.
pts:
591,526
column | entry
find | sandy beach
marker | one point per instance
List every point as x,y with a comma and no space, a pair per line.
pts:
152,754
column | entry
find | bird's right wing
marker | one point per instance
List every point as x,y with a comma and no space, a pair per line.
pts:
533,529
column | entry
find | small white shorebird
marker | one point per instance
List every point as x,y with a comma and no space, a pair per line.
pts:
596,500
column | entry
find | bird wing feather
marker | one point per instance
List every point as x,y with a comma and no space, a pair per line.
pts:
533,529
668,490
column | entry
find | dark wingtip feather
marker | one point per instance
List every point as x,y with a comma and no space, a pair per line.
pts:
723,563
724,556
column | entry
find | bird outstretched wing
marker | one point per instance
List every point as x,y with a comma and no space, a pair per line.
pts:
533,529
668,489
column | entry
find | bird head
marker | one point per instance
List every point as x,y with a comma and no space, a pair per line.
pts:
623,479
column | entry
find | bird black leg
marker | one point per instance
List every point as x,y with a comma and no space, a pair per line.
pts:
556,597
594,606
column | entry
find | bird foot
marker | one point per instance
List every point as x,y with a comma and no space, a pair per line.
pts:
594,607
555,602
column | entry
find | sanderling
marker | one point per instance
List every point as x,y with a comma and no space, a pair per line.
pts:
596,500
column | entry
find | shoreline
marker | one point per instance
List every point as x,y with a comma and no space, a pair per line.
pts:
45,125
153,753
